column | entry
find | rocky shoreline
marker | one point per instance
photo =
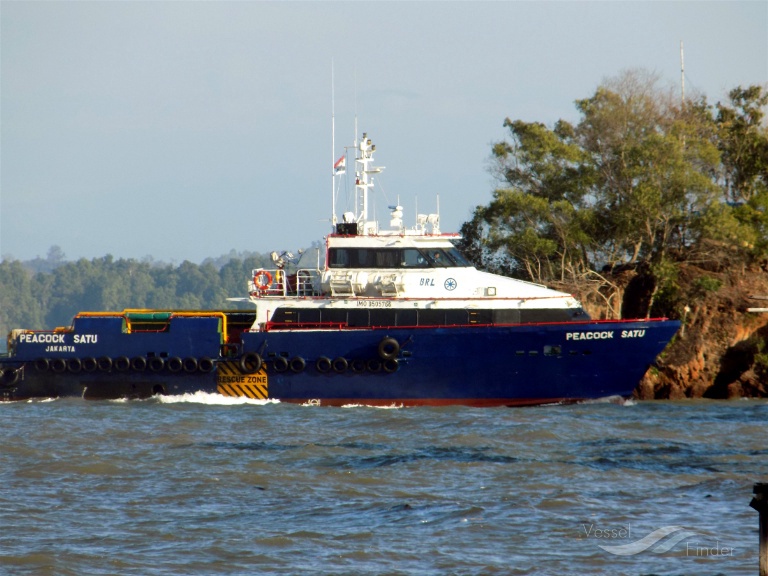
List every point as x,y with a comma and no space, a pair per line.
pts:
722,350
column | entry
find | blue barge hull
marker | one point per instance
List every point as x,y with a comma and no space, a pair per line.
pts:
107,356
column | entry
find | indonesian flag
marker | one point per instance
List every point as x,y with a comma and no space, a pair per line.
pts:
340,167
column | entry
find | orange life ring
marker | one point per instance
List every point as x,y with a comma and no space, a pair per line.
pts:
262,280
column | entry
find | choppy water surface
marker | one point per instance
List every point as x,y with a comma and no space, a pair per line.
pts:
204,486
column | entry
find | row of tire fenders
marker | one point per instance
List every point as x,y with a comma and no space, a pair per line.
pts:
388,350
123,364
252,362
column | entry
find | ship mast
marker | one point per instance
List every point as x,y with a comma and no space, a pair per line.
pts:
364,182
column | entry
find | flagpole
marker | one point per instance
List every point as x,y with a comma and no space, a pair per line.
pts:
333,152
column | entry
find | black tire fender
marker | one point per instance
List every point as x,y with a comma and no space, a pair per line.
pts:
340,365
250,363
8,376
156,364
389,348
323,365
357,365
280,364
58,365
174,364
121,363
205,365
139,363
89,364
190,365
390,365
298,364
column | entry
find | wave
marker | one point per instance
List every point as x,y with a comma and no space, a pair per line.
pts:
212,399
392,406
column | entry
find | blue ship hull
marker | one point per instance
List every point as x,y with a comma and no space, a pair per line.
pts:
471,365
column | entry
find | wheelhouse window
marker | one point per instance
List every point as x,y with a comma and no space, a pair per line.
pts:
458,258
395,258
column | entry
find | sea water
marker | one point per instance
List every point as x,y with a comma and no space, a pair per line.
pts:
210,485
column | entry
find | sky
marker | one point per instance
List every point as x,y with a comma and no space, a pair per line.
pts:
185,130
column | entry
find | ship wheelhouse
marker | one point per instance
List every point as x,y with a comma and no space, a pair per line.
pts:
388,258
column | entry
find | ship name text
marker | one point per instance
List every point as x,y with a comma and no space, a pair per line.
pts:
46,338
52,338
632,333
604,335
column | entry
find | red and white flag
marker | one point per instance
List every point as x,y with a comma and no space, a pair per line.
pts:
340,167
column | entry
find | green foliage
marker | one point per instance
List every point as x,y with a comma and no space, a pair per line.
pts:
543,219
744,143
706,285
761,360
726,224
640,179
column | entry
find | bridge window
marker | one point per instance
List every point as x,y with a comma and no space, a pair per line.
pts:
388,258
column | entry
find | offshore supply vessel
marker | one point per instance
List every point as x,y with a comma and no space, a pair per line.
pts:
392,316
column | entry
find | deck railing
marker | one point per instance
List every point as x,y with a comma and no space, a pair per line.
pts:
277,282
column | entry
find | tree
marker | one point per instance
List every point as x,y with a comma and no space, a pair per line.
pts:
538,226
743,142
18,298
637,182
652,177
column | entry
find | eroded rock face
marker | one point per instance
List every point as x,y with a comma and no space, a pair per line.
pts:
722,352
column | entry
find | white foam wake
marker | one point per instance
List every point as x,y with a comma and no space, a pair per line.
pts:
392,406
212,399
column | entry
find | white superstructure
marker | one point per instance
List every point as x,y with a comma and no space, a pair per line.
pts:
366,266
